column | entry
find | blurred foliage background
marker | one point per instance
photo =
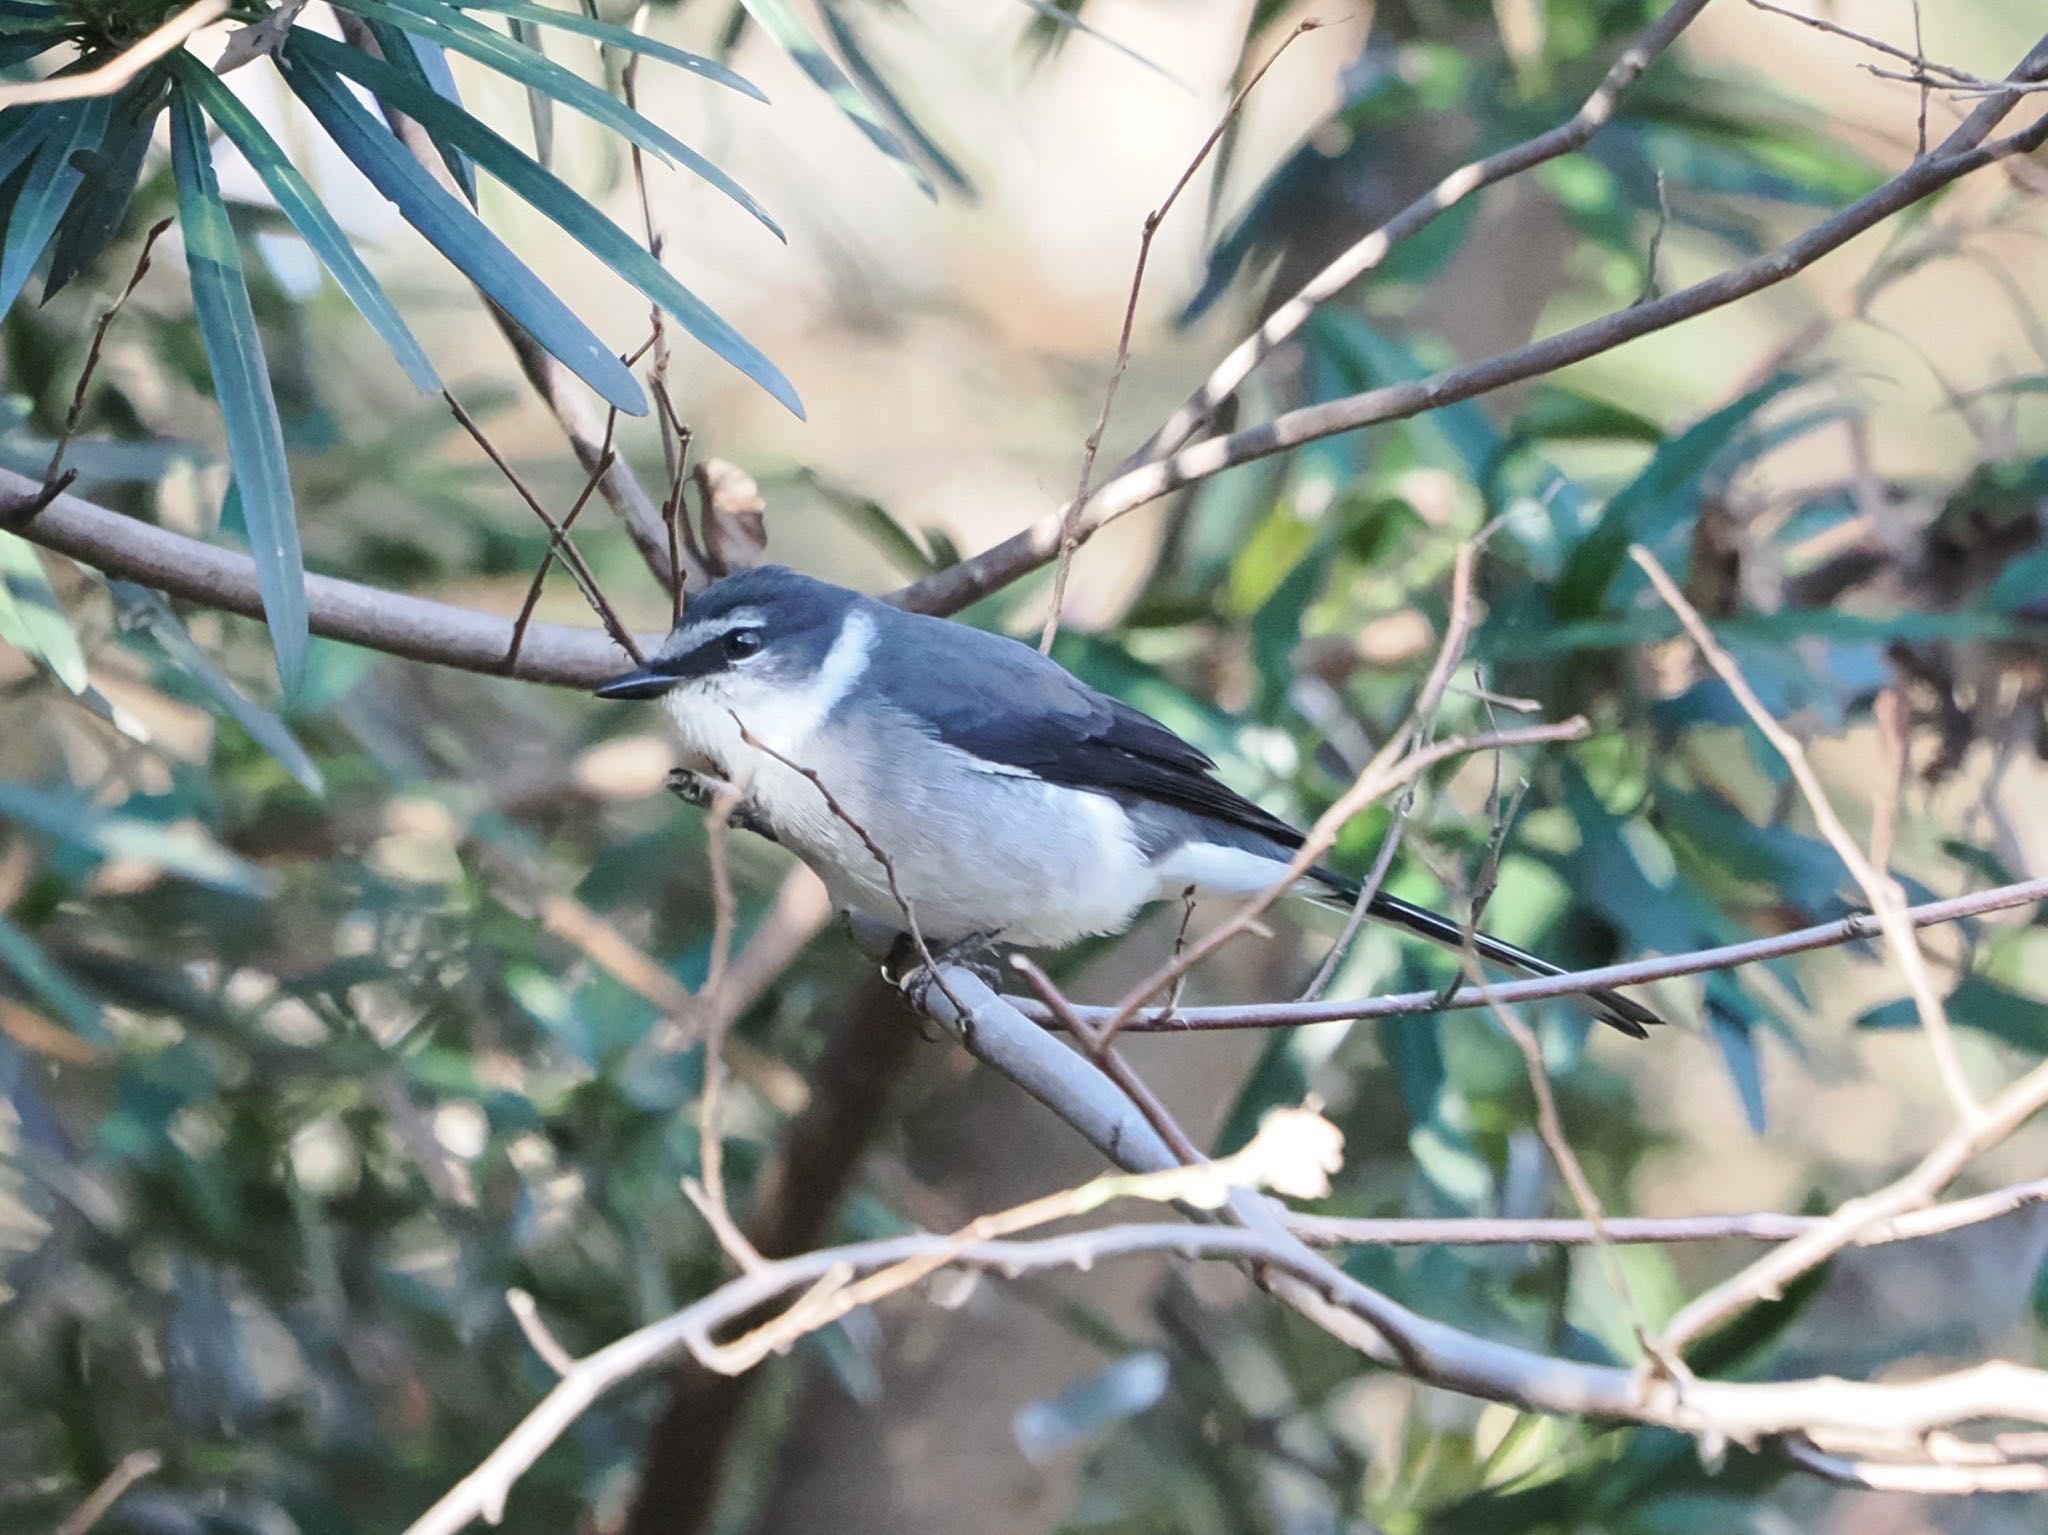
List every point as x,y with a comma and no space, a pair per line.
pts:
299,1075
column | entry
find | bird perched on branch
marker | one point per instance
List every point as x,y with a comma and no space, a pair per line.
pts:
915,762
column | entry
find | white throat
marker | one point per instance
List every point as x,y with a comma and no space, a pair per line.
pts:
785,716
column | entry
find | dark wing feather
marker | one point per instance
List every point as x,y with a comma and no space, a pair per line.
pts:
1000,700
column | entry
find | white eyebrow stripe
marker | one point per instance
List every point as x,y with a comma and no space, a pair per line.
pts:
690,636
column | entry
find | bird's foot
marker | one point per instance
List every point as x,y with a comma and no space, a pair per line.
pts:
975,953
703,790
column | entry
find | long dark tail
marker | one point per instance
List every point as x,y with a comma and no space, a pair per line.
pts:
1615,1010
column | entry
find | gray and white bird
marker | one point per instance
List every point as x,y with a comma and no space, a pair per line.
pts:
1014,802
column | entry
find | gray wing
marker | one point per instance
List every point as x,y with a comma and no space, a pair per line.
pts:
1000,700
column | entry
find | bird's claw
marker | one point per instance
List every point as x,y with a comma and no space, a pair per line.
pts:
974,953
702,790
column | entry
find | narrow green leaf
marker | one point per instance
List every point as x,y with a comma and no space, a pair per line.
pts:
547,192
1056,17
31,618
1665,491
22,131
241,383
41,975
102,203
617,37
53,177
853,48
143,611
183,851
780,22
426,62
448,26
454,230
308,215
26,44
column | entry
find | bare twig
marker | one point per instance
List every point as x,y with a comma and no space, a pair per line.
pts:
1851,929
716,1019
1147,231
54,478
556,541
1756,1226
526,1312
572,557
106,78
129,1470
1967,149
1375,877
1754,1410
1883,892
1769,1275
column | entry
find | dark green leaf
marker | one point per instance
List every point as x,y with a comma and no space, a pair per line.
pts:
864,70
142,610
97,211
457,232
426,62
1979,1003
780,21
446,25
876,523
53,177
309,216
547,192
27,44
618,37
31,618
44,978
241,383
1664,495
70,819
1057,18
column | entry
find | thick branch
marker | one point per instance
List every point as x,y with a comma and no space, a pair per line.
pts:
400,625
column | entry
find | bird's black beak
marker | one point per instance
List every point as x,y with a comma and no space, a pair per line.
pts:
641,682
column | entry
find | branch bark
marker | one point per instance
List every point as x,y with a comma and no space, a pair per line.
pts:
416,628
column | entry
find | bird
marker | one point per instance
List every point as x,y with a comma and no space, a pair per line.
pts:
1009,801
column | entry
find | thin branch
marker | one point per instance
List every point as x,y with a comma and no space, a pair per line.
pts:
556,541
1754,1226
1883,892
1375,877
1913,57
1755,1410
129,1470
1769,1275
1149,229
572,557
107,78
54,478
1963,152
395,623
526,1312
1281,1015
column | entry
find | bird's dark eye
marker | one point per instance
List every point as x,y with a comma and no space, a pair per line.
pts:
741,643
